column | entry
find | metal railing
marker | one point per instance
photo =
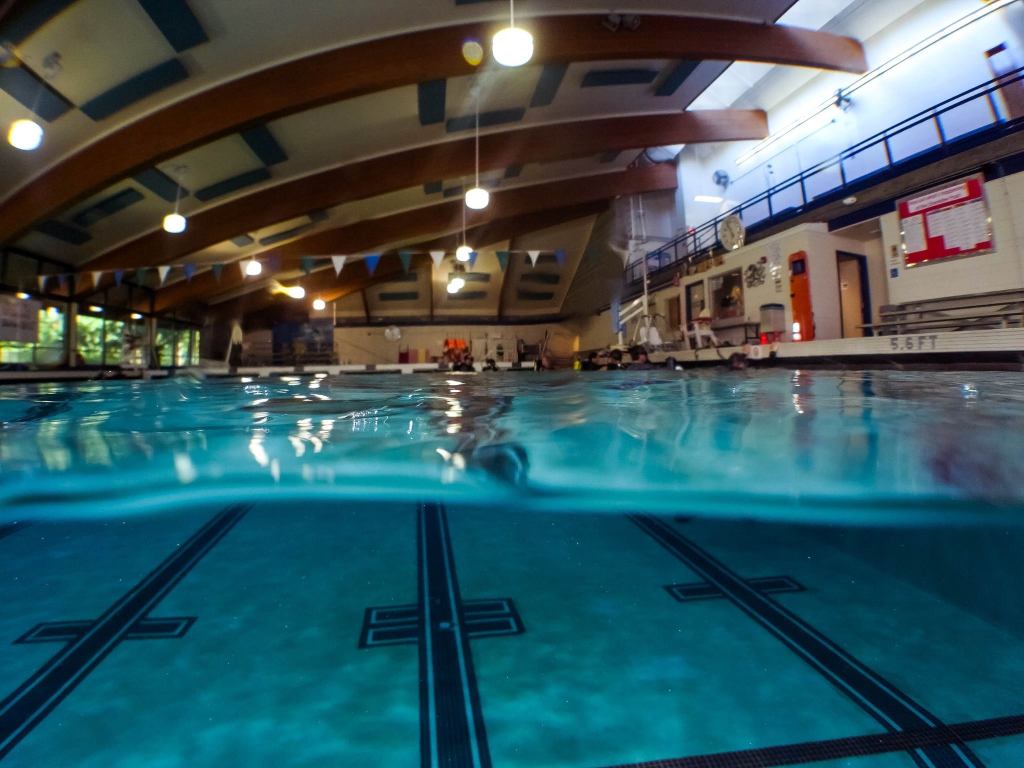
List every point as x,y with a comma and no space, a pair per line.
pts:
834,176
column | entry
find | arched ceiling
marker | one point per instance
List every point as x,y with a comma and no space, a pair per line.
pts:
347,127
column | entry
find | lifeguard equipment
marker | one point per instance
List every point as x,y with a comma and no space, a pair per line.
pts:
756,352
773,322
800,297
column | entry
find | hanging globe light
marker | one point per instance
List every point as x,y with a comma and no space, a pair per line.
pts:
319,305
463,253
25,135
253,268
175,223
478,198
512,47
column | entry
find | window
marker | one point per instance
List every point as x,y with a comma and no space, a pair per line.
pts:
35,336
695,300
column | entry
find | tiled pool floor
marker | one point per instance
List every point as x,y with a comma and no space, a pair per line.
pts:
242,636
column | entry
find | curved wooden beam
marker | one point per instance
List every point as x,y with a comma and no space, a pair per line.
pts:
414,167
430,220
407,59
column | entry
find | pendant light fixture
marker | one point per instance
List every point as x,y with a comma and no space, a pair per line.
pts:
25,135
319,305
512,47
175,223
463,253
477,198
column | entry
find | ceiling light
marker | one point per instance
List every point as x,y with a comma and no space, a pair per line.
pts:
707,199
319,305
135,316
21,295
25,134
295,291
94,308
253,268
175,223
452,288
850,200
472,52
463,253
512,47
478,198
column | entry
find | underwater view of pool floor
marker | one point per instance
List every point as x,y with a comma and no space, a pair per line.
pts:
415,634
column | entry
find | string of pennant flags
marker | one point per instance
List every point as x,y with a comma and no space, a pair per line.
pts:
80,280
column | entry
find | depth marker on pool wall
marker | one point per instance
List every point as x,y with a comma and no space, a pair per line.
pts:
896,711
452,729
89,642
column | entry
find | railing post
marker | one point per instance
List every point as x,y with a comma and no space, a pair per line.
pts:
938,127
888,150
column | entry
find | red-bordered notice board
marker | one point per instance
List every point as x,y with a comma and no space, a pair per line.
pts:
946,222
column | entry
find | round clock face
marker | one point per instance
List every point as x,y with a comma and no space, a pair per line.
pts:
731,232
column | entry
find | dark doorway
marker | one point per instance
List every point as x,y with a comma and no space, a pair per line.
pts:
854,294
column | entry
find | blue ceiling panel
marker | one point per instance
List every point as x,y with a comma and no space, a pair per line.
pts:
534,295
598,78
487,119
30,17
176,22
31,92
233,184
263,144
242,240
675,78
108,207
431,96
160,184
547,85
468,295
63,232
132,90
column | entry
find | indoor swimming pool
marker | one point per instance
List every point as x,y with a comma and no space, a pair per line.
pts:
672,570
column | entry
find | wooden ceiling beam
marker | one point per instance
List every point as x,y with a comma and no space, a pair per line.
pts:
392,62
411,168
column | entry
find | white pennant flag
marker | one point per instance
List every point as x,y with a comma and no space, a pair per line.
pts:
241,266
534,255
339,263
97,275
438,257
162,272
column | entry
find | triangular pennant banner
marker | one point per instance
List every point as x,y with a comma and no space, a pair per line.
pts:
97,275
162,272
62,280
338,262
437,257
406,258
502,260
241,266
472,259
534,255
190,269
372,260
560,257
307,264
140,275
118,277
42,282
217,269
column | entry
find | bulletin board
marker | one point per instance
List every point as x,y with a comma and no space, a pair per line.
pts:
945,222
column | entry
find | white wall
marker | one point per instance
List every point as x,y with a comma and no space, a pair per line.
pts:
1002,269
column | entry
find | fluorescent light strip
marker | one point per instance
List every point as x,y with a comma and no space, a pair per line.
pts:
867,77
706,199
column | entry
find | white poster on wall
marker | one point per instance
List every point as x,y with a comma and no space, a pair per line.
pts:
19,320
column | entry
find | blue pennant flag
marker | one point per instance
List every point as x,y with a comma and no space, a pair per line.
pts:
217,269
406,257
63,280
372,260
502,260
560,257
118,277
190,269
472,259
307,264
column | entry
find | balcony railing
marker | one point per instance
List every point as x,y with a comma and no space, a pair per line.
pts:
857,167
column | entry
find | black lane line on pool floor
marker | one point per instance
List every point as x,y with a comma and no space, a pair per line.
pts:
879,698
8,528
87,646
849,747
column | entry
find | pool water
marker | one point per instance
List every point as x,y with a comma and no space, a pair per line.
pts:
728,570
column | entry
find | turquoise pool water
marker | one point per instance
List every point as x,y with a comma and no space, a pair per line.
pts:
728,570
